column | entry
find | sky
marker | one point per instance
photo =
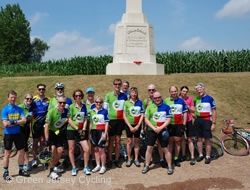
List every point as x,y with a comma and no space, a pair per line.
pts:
87,27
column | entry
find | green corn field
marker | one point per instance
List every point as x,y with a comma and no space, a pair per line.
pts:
175,62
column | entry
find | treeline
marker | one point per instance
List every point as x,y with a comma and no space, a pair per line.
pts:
175,62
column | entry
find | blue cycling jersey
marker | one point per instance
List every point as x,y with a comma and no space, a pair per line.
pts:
12,113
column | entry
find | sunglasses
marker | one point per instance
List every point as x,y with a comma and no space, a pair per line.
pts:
41,89
59,89
62,102
157,97
133,88
117,84
78,96
151,90
98,102
28,98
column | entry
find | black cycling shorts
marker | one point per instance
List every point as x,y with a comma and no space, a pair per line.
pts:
96,138
152,136
55,140
74,135
37,130
190,129
25,130
202,128
130,134
175,130
18,140
116,127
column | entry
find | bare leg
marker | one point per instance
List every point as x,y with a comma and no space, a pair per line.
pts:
110,147
85,148
129,147
71,152
117,147
149,154
137,147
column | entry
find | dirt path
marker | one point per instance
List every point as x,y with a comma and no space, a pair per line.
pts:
228,172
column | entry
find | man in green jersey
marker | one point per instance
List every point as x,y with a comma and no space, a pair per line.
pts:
114,102
54,127
148,101
59,91
158,118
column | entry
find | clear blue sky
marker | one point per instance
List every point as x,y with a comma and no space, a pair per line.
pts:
86,27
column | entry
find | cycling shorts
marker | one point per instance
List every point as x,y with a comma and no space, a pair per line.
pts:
190,129
130,134
25,130
37,130
152,136
18,140
202,128
175,130
55,140
74,135
96,138
116,127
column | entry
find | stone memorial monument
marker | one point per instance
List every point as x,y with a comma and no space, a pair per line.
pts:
134,46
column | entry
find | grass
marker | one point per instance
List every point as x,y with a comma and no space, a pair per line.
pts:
229,90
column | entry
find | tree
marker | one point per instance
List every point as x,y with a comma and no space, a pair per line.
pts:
15,45
39,47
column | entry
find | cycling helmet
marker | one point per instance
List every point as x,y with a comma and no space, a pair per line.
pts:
59,85
45,156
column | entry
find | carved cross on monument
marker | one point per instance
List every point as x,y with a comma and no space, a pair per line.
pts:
134,6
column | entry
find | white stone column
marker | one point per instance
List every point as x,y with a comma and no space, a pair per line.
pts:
134,46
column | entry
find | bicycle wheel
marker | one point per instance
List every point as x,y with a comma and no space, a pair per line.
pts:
1,149
142,150
216,148
235,145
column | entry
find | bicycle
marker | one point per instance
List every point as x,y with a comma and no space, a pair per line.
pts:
236,141
216,147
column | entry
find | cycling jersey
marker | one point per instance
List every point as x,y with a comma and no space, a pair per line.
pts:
40,108
54,104
204,106
57,119
89,107
77,115
177,107
157,114
99,119
12,113
114,105
147,102
27,112
133,111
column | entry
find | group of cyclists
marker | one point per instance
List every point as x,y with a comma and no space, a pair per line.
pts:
58,122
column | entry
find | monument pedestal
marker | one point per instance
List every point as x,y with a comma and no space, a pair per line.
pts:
135,69
134,43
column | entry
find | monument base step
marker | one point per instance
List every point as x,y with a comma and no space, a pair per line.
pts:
135,69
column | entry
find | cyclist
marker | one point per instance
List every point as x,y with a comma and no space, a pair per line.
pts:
90,104
157,118
99,122
205,122
77,130
114,102
178,122
133,113
125,87
25,128
13,117
190,129
59,91
54,133
148,101
40,106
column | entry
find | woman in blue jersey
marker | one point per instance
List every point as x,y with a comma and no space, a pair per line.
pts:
133,116
25,128
99,122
